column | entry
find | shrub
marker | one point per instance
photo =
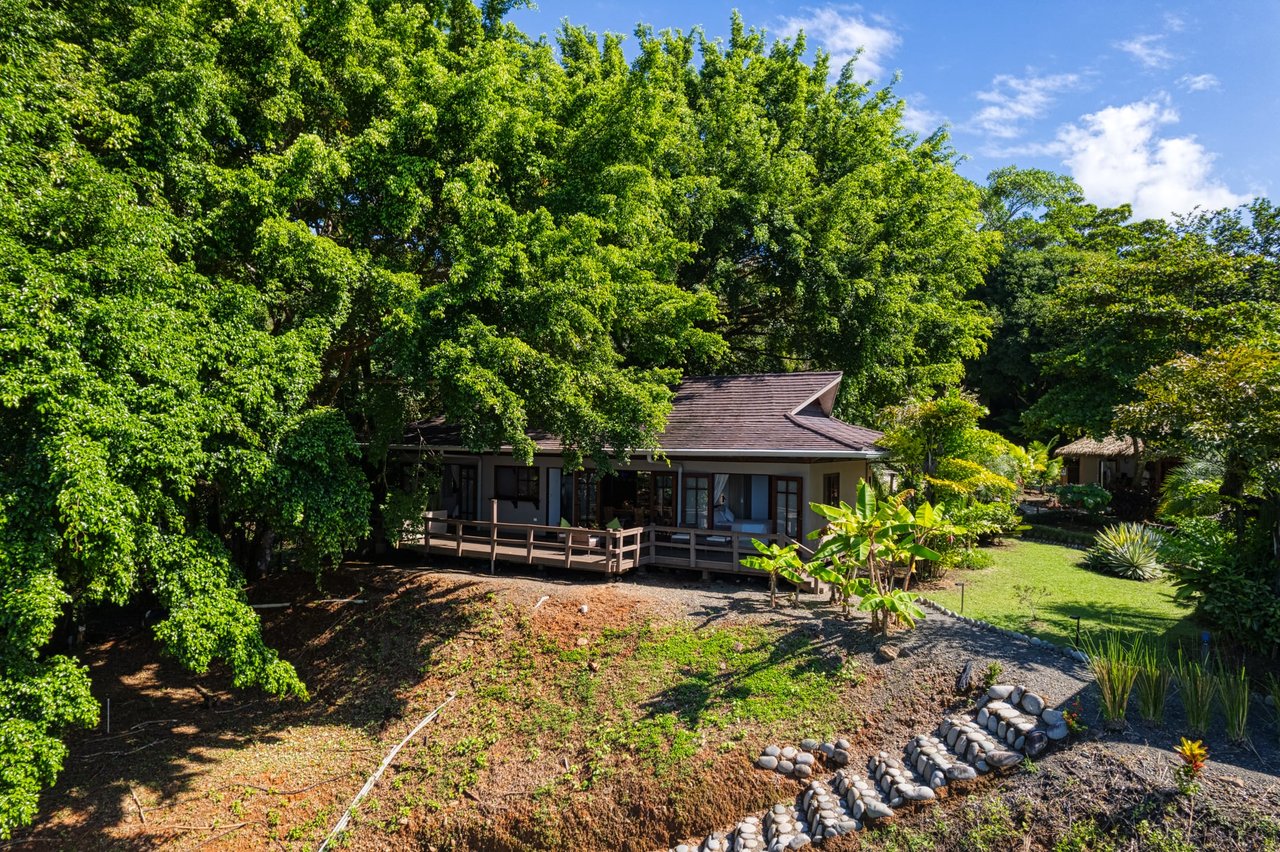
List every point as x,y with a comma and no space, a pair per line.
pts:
1127,550
985,522
968,559
1055,535
1154,677
1091,498
991,675
1196,684
1112,661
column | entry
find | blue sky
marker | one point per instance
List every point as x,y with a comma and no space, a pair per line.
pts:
1164,106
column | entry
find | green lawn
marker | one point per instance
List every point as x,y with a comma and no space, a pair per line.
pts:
1101,601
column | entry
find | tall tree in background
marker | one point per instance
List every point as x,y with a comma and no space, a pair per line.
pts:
1118,316
1049,232
830,237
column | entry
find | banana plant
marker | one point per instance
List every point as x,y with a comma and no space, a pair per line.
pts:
778,562
858,548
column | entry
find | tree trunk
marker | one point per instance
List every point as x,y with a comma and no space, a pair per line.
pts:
773,590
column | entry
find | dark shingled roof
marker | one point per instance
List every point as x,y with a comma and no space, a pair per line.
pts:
755,415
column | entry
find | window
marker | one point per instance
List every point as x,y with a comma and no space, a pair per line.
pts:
697,501
831,489
786,506
516,484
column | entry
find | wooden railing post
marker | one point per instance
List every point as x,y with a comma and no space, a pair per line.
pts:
493,536
693,547
458,539
528,546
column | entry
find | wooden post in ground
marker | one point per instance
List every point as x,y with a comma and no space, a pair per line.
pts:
528,546
493,536
458,541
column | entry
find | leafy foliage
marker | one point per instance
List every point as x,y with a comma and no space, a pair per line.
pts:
1127,550
1090,497
242,245
860,547
776,561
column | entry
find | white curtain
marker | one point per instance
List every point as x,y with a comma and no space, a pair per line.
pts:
721,514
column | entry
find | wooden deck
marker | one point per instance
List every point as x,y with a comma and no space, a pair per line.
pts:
610,552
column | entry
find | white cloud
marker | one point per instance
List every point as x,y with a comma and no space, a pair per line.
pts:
1011,101
1118,157
917,119
1198,82
1148,50
842,33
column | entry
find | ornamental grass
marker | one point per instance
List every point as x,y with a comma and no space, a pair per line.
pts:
1111,659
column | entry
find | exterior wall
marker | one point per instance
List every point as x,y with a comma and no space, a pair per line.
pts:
528,512
1091,470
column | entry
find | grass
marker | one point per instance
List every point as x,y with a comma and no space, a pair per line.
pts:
1102,602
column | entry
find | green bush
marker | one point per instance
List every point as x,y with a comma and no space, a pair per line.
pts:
1090,498
1127,550
1056,535
986,522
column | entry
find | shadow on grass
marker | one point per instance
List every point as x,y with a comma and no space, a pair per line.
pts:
1119,616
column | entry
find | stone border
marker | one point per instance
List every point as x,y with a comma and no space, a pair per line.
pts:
1067,651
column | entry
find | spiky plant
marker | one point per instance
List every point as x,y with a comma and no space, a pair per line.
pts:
1112,661
1154,676
1127,550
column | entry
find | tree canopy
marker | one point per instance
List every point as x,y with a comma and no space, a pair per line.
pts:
242,245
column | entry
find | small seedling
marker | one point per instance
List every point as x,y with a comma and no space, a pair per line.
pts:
1031,596
991,676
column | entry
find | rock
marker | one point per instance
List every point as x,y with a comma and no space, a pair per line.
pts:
876,809
804,758
786,767
582,641
583,609
712,844
1019,743
799,841
1000,692
809,744
887,653
789,752
767,761
917,793
844,744
1036,743
840,757
1001,759
772,750
803,770
826,750
683,847
965,681
1059,732
1033,703
961,772
1052,717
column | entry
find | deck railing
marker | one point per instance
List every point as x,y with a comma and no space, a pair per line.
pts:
609,551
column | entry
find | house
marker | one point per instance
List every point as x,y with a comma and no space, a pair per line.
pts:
741,457
1121,465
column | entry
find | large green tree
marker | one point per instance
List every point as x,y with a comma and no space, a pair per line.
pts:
242,244
1049,234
